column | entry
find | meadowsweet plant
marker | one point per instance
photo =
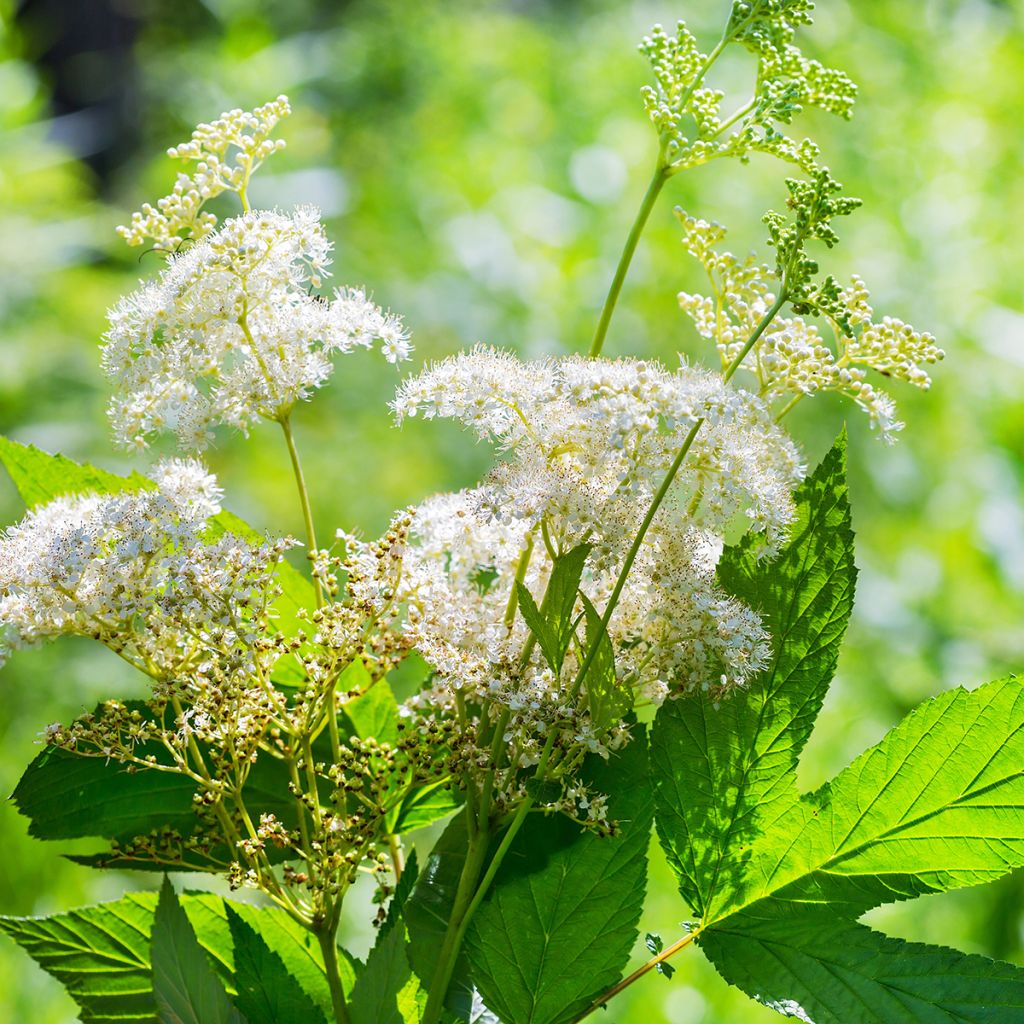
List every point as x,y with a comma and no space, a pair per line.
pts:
628,624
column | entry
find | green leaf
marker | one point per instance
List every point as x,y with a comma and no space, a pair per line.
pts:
725,770
41,477
423,806
386,991
102,953
821,969
937,805
185,987
538,626
560,920
99,954
268,993
608,699
69,796
553,623
374,713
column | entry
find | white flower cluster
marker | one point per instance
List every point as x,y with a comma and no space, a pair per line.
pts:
588,442
591,440
226,154
793,358
230,333
133,569
673,630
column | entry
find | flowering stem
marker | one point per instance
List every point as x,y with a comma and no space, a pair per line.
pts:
457,924
646,968
658,179
634,549
329,948
758,331
788,406
307,512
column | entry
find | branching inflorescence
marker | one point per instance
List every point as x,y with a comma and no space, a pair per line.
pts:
574,587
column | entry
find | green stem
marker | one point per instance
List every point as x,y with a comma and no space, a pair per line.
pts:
522,565
788,406
758,331
457,923
657,181
634,549
601,1001
329,948
307,512
492,869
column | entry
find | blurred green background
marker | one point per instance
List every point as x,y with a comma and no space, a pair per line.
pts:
479,165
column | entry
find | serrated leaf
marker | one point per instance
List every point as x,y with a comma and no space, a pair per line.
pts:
608,699
813,965
725,770
937,805
185,988
386,990
558,924
267,991
101,954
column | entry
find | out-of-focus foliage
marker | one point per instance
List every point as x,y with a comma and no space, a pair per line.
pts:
480,165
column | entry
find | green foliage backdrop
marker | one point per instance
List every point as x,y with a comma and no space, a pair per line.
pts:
480,164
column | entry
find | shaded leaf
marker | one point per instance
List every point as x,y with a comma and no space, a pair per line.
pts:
725,770
268,993
69,796
185,988
560,920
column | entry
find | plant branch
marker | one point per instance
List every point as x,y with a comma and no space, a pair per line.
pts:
307,512
658,179
457,923
329,948
634,549
646,968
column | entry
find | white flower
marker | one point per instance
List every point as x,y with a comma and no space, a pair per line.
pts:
134,569
590,441
230,332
